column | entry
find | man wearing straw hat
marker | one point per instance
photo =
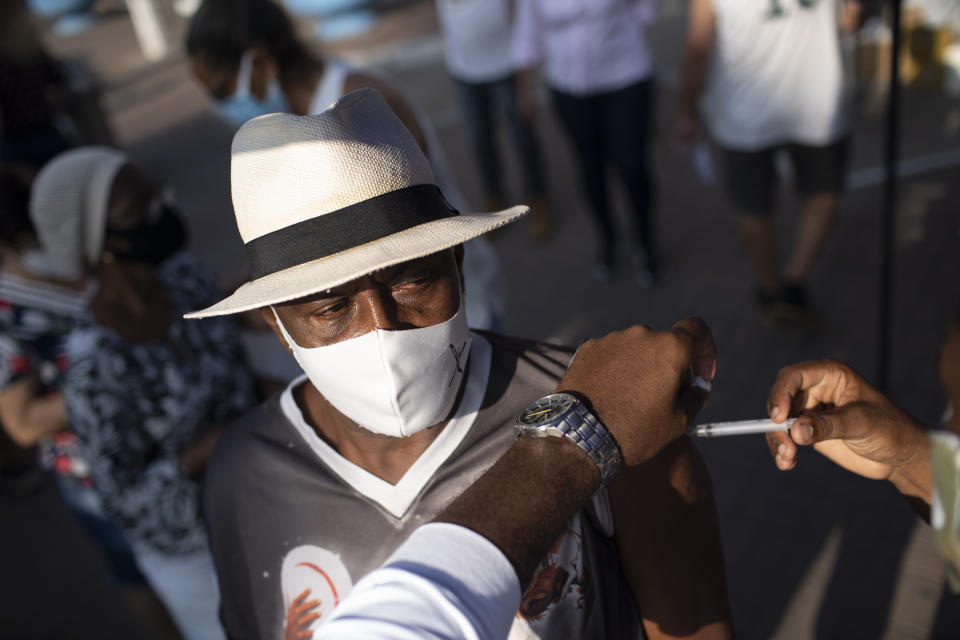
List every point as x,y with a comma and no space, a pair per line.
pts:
355,257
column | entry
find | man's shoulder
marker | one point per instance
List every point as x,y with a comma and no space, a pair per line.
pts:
248,439
554,357
522,369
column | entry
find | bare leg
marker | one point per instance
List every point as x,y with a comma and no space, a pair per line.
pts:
758,239
816,219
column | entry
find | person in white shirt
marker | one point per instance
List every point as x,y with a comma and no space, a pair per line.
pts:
598,66
476,38
769,78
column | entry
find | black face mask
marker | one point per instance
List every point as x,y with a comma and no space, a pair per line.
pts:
152,241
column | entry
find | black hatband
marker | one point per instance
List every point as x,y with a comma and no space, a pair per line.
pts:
347,228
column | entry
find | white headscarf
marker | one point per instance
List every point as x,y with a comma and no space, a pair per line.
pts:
68,206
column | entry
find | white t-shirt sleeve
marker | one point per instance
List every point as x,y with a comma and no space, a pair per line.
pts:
444,582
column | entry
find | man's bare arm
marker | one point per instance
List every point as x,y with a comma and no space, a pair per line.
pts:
696,60
526,499
668,538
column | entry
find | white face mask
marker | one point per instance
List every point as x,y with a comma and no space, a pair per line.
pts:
394,383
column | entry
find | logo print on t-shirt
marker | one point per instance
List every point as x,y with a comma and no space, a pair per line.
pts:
314,581
560,576
456,356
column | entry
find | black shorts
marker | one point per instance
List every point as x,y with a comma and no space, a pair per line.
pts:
752,178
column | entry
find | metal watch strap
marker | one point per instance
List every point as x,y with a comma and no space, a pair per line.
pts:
581,426
587,432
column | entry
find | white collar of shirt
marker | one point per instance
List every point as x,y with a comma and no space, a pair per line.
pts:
397,498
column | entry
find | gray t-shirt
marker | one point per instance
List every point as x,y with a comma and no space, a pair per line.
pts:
287,513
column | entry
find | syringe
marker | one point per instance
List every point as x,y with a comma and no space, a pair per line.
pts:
739,428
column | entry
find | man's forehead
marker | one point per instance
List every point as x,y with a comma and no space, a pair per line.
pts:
433,261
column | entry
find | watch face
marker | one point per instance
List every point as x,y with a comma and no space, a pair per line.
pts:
546,409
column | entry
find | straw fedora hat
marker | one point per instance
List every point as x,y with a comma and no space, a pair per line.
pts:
324,199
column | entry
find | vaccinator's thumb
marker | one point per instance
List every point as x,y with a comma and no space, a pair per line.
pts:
840,423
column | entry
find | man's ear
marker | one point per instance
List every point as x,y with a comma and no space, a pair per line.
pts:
268,316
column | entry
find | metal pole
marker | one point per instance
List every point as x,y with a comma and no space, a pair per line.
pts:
892,153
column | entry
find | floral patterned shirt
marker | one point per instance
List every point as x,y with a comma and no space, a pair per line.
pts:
135,406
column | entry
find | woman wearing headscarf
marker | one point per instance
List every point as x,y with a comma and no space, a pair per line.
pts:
39,306
145,392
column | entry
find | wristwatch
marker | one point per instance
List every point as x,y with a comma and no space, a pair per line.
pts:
564,415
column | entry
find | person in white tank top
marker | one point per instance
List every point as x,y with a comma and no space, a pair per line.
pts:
768,76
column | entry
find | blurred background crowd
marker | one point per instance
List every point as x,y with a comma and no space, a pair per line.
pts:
662,182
